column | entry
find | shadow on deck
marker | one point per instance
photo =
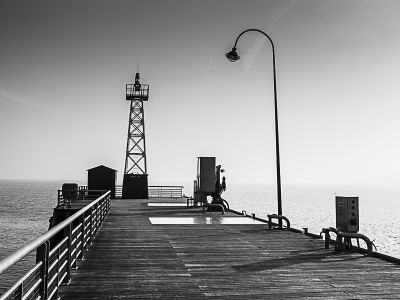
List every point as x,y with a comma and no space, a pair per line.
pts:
133,258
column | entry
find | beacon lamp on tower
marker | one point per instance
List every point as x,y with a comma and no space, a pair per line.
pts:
135,183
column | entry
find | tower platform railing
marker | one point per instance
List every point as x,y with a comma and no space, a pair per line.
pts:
133,93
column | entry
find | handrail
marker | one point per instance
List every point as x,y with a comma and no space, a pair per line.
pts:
348,235
279,217
170,191
168,186
25,250
21,280
159,191
65,197
211,205
55,261
226,203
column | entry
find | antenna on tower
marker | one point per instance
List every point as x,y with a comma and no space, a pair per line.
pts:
137,67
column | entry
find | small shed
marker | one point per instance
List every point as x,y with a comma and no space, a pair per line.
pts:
102,178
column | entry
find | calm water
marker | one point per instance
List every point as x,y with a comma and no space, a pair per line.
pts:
25,209
26,206
314,207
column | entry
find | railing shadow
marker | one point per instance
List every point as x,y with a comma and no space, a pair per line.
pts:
291,260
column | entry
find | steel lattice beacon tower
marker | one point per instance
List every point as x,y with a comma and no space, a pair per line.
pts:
135,185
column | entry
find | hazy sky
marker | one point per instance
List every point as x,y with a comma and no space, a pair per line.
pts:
64,66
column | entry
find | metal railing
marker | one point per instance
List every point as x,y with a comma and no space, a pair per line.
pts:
165,191
54,262
118,191
157,191
343,239
66,197
140,94
278,217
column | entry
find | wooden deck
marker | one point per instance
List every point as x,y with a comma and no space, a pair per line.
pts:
131,258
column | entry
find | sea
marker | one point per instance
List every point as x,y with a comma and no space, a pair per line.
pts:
26,206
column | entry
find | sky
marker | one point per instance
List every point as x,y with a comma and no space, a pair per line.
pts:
64,66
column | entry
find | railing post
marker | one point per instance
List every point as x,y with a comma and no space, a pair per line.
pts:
96,208
21,290
91,225
82,221
327,238
101,211
59,195
339,243
68,232
74,236
104,207
42,255
58,271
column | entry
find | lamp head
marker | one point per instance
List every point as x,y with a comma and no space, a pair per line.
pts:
137,84
232,55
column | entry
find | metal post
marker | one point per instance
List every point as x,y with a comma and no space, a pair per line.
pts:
278,168
278,164
327,238
21,290
91,225
96,217
82,248
42,255
68,233
75,256
58,271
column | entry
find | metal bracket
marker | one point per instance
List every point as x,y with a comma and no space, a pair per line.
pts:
278,217
213,205
340,245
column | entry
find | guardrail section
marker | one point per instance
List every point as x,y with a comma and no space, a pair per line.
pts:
165,191
65,198
57,252
157,191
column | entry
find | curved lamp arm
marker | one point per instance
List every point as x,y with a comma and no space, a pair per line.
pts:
232,55
257,30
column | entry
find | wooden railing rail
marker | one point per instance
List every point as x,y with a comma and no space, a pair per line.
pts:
54,262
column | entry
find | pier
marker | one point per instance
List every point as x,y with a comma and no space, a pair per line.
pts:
161,248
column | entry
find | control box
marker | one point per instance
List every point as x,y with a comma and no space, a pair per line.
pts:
206,175
347,218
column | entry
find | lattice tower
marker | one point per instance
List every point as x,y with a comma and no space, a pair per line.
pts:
135,162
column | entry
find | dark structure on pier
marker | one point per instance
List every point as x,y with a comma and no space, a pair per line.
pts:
135,184
102,178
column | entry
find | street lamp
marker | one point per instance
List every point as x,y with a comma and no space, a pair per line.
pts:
232,56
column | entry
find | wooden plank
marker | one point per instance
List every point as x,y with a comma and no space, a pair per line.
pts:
134,259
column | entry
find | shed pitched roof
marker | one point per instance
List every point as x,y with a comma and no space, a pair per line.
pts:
102,167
